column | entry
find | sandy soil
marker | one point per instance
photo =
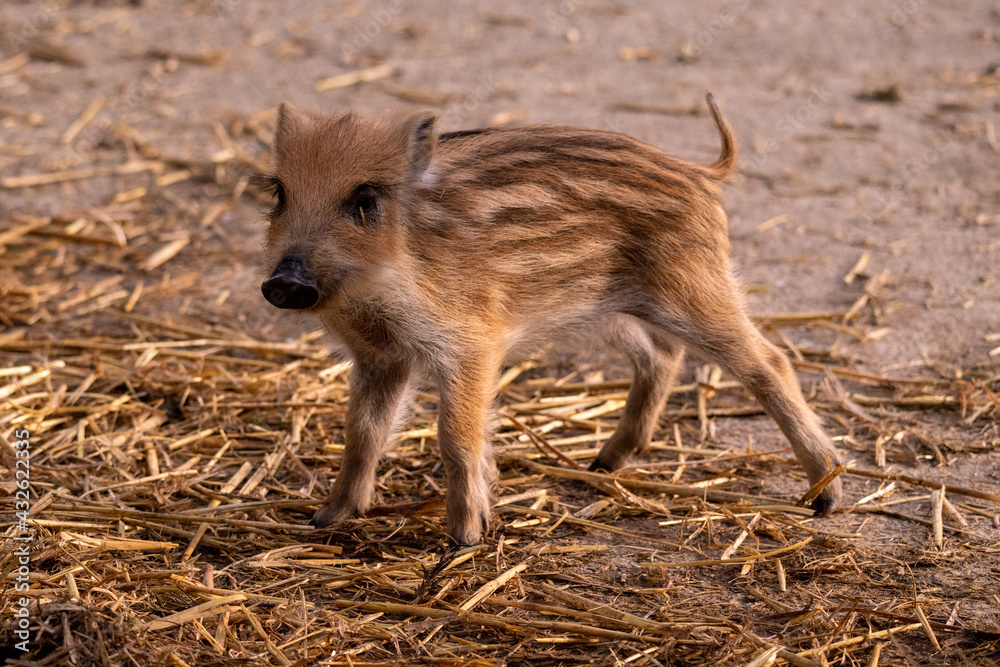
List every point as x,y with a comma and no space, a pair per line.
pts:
912,182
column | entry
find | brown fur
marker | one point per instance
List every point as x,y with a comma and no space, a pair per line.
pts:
482,245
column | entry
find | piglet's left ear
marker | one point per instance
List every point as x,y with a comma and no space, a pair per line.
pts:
290,122
422,141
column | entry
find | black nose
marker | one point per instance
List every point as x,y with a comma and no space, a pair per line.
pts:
291,286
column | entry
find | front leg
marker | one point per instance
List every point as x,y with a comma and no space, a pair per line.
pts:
376,393
465,428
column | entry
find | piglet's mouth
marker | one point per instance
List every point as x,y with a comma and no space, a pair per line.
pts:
291,286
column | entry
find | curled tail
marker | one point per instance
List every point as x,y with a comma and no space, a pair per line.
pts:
723,167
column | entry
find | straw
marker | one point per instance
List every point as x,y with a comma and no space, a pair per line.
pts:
182,435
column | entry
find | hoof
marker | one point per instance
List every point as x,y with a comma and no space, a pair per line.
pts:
319,521
825,506
599,466
829,498
471,534
467,539
329,515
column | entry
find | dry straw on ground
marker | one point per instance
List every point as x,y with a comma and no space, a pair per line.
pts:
176,458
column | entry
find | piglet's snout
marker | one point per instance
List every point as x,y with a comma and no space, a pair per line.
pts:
291,286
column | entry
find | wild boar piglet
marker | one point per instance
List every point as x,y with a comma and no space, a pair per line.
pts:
441,257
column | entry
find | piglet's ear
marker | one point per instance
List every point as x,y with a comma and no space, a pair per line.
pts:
422,141
289,122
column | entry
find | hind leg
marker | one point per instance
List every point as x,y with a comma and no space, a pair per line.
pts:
711,319
655,363
769,376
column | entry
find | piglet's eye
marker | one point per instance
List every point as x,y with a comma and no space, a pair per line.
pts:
272,185
367,201
363,205
278,190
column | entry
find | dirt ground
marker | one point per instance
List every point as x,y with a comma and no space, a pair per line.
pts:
867,201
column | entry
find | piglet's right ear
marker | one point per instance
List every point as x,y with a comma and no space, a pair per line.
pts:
422,141
289,122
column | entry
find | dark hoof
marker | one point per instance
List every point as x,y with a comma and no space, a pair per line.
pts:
598,466
330,515
825,506
467,540
469,536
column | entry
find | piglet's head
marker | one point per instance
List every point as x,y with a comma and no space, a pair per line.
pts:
341,188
